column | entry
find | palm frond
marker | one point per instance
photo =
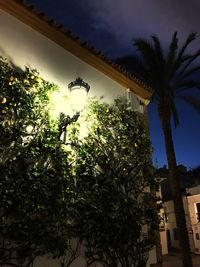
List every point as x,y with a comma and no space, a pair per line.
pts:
171,57
174,112
191,37
189,72
159,59
190,60
152,61
191,100
135,66
182,85
147,51
173,48
184,59
158,49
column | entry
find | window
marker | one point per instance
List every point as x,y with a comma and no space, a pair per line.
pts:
198,211
175,234
197,236
165,214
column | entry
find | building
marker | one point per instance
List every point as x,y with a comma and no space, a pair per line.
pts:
191,199
162,225
32,39
193,207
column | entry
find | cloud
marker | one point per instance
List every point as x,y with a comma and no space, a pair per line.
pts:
82,19
140,18
110,25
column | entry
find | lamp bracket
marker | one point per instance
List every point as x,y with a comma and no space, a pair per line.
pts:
64,122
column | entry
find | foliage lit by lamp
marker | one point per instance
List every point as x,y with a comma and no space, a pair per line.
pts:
78,99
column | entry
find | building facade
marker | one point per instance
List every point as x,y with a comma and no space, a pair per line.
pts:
193,204
29,39
191,200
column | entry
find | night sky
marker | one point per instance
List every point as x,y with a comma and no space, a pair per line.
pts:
110,26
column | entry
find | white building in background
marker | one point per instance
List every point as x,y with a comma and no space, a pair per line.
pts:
193,204
162,225
191,201
33,40
170,224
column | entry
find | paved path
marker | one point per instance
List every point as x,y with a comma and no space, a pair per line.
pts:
174,260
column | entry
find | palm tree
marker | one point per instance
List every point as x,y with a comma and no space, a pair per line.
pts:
170,74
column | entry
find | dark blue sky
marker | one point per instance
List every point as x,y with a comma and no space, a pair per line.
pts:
110,25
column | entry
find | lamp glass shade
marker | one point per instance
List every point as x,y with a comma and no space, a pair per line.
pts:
78,98
78,94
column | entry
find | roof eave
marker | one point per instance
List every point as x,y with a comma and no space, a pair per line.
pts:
61,37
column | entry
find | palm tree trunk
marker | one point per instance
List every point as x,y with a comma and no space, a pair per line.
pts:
176,191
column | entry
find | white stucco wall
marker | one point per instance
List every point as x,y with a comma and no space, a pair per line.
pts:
171,223
192,200
26,47
163,240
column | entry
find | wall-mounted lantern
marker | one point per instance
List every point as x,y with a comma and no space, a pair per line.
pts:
78,100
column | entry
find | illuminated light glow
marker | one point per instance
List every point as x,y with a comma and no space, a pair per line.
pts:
78,99
78,94
59,103
70,102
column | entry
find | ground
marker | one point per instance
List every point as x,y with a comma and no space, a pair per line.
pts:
174,260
